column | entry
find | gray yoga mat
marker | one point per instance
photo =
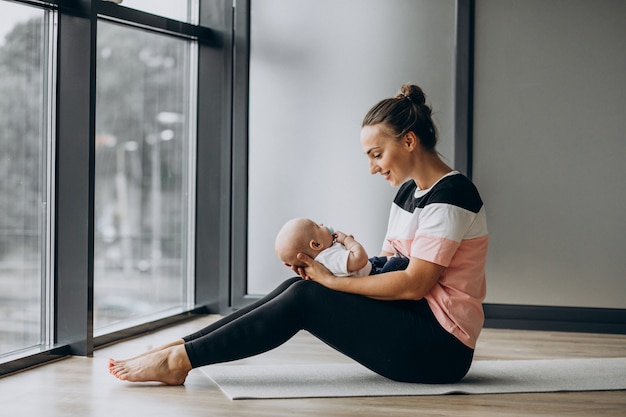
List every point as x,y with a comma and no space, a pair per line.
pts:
353,380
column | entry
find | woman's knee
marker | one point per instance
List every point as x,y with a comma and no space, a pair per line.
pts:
303,292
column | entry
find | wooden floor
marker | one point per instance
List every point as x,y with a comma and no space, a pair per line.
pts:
82,387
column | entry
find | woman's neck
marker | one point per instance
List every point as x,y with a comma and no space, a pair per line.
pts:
430,170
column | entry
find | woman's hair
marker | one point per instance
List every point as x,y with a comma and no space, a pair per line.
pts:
404,113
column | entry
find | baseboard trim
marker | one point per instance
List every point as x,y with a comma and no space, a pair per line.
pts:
568,319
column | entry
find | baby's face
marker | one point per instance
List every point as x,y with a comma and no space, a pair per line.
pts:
324,235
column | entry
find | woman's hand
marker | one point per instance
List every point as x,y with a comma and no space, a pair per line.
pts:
314,271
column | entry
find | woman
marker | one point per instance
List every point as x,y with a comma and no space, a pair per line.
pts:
415,325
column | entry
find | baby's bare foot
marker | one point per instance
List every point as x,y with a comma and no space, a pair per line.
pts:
170,366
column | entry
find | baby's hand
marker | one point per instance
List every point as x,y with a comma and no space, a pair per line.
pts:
341,237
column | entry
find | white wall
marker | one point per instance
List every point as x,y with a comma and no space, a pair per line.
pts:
549,149
317,66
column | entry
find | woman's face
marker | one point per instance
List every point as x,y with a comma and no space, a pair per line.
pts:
387,156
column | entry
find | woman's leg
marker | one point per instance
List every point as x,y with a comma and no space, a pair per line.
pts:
398,339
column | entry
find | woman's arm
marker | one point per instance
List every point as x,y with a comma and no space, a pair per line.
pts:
357,258
411,284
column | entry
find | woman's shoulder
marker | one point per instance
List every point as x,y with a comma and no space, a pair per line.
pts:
457,190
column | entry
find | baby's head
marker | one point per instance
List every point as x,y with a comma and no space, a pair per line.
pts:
302,235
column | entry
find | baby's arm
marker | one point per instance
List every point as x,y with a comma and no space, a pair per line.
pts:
357,258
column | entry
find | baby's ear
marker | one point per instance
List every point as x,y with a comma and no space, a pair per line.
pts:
315,245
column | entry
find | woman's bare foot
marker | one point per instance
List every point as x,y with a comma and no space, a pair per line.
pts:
170,366
174,343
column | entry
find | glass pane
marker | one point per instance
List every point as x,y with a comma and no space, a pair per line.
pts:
23,173
142,156
173,9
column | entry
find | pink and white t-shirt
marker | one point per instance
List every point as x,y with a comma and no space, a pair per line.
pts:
446,224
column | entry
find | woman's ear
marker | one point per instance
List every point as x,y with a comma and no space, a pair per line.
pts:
410,140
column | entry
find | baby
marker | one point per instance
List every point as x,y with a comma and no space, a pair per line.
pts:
338,252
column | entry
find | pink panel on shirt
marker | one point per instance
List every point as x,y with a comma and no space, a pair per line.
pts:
438,250
402,246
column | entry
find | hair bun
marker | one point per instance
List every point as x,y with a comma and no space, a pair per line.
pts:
413,93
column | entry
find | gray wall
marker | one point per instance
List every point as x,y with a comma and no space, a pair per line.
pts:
549,149
548,131
316,67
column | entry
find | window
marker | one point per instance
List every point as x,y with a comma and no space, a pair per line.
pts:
101,177
25,159
143,182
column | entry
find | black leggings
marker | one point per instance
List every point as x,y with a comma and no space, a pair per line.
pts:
400,340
